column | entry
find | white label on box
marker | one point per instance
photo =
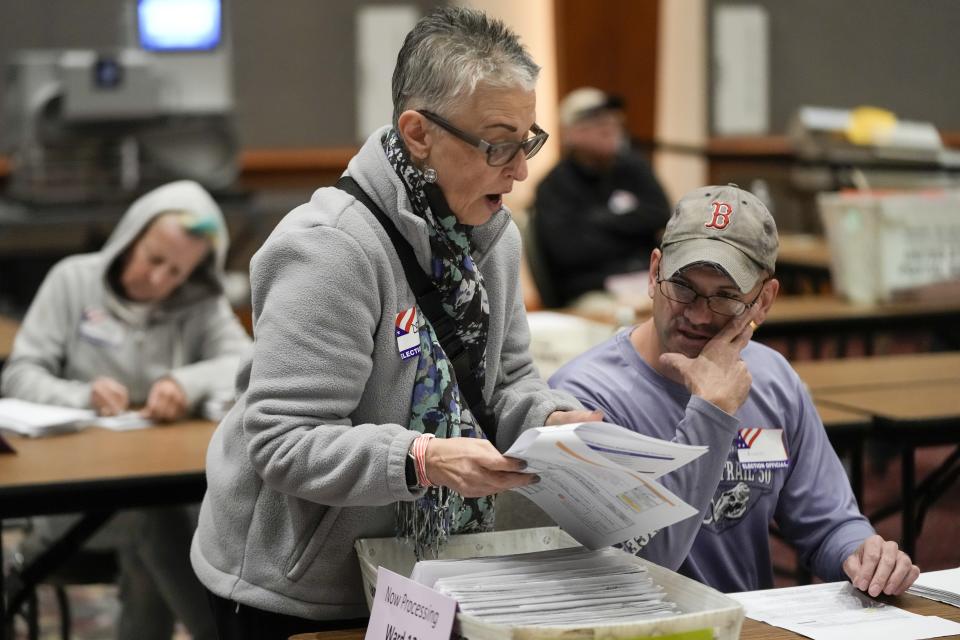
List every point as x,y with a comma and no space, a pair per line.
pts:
919,240
406,610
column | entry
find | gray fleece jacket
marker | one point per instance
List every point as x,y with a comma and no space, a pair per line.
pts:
79,328
312,455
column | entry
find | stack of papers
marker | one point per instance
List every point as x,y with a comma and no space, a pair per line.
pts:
839,611
597,480
33,420
554,588
939,585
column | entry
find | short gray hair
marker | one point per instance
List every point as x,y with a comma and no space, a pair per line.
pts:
451,51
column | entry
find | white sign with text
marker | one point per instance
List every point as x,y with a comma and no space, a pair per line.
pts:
406,610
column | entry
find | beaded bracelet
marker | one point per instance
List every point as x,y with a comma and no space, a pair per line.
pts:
419,450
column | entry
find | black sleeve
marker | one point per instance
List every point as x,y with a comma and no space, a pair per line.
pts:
576,232
652,212
565,224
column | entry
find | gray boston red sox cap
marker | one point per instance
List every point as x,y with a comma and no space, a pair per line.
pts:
725,226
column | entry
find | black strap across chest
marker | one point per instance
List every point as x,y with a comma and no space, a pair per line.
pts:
431,303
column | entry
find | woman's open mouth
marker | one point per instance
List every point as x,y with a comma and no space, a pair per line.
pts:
495,200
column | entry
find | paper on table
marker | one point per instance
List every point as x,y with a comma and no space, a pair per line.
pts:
33,420
597,480
128,421
839,611
946,580
939,585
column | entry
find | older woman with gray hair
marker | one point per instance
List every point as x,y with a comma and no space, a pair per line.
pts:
390,362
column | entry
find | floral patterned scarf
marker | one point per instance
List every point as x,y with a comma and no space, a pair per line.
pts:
438,406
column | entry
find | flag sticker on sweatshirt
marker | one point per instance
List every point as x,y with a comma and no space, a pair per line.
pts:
407,328
759,448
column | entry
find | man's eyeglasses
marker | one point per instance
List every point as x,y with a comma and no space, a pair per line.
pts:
498,153
722,305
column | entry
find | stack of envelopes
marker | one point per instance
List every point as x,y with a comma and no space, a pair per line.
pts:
565,586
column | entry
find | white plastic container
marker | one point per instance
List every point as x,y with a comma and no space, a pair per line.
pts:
888,244
703,607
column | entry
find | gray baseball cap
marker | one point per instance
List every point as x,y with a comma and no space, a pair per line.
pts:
586,102
725,226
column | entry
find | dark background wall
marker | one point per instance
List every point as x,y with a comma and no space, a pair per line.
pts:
902,55
614,50
293,60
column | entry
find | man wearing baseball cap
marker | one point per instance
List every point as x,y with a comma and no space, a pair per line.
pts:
769,457
600,210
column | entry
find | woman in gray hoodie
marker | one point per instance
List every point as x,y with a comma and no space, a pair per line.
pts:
351,420
141,323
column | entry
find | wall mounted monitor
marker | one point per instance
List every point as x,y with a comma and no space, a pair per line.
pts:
179,25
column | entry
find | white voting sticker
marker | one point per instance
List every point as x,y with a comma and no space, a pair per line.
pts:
622,202
759,448
100,328
407,328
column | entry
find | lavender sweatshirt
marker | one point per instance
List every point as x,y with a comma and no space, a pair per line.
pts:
728,547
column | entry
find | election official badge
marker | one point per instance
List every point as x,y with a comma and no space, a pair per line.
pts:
759,448
407,329
100,328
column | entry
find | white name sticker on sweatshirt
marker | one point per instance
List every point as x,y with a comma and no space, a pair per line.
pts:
761,449
99,327
407,328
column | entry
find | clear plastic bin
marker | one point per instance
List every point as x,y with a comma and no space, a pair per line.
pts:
889,245
703,607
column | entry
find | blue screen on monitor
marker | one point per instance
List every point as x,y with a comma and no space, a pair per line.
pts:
179,25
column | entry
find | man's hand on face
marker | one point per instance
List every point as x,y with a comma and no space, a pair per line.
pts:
718,374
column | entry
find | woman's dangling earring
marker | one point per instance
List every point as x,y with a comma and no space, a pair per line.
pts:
430,175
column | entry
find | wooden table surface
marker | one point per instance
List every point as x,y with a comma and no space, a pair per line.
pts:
879,371
834,417
8,331
99,454
752,630
826,308
804,250
936,400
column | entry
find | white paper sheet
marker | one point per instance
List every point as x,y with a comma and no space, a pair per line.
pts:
597,480
946,580
939,585
33,420
839,611
128,421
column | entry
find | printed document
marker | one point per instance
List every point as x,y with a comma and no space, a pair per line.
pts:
839,611
33,420
597,480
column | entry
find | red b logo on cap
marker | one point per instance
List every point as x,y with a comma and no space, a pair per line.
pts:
721,215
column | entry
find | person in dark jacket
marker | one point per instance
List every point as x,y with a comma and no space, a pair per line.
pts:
600,210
